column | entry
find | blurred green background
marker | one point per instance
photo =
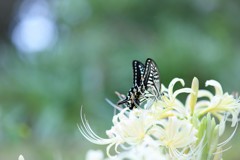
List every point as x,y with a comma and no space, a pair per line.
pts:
59,55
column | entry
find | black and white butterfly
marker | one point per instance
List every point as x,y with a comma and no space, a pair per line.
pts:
146,83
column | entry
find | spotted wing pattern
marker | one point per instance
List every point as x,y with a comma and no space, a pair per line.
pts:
138,72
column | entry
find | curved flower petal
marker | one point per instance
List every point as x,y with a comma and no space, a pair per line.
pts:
172,84
169,98
216,85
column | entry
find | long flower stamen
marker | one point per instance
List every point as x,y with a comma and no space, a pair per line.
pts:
166,128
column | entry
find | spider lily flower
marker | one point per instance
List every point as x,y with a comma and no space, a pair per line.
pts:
129,129
169,97
166,128
221,105
140,152
176,135
143,152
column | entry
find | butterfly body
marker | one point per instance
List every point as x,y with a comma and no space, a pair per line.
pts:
146,83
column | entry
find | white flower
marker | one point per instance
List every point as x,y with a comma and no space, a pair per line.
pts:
143,152
176,135
129,128
169,98
167,129
220,105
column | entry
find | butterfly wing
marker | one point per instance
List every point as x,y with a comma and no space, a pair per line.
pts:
152,77
132,99
146,83
138,72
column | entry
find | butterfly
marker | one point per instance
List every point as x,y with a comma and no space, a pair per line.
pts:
146,83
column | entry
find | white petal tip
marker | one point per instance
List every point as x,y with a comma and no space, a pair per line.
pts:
182,81
212,83
216,85
195,80
20,157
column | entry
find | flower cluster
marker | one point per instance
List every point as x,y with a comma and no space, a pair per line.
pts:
166,128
